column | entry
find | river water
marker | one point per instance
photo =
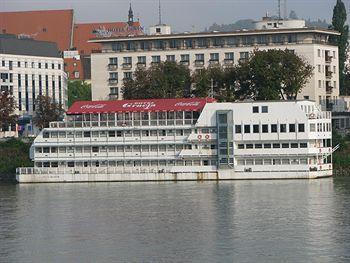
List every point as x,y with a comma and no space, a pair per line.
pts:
234,221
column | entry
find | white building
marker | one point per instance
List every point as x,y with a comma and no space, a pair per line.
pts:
121,56
183,139
28,69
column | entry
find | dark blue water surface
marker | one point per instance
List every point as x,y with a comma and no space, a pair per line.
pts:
234,221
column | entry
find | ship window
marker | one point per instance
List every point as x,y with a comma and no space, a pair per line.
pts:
188,163
95,134
136,148
249,146
303,145
70,164
267,145
285,161
162,133
273,128
103,149
154,148
111,148
162,148
258,146
276,145
256,128
137,133
303,161
145,148
97,164
238,128
119,134
70,135
292,127
103,134
46,150
145,133
87,134
240,146
276,161
179,132
258,161
255,109
46,135
213,146
95,149
120,148
70,150
171,147
294,161
240,162
267,161
265,128
78,134
87,149
46,164
154,133
38,150
53,149
246,128
62,134
285,145
62,149
188,115
249,162
293,145
127,134
128,148
301,127
264,109
283,128
205,162
54,135
111,133
171,132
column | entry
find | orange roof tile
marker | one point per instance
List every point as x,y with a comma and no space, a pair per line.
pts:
47,25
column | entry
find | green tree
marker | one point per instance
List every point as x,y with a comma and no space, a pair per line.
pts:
272,75
46,111
338,24
77,91
7,108
163,80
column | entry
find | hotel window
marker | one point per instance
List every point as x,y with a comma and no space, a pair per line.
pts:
52,66
170,58
47,65
246,128
127,60
113,61
229,56
199,57
285,145
255,109
59,66
238,128
141,59
274,128
265,128
256,128
127,75
258,161
319,53
291,127
264,109
301,127
113,76
320,84
18,64
185,58
303,145
113,91
243,56
214,56
312,127
155,59
283,127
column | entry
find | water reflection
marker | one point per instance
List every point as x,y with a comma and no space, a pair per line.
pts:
198,222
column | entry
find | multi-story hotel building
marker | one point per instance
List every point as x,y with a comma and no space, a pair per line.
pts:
30,68
121,56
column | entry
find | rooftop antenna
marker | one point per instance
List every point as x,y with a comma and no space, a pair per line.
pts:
279,9
285,9
159,13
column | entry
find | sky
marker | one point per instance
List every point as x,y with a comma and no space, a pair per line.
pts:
182,15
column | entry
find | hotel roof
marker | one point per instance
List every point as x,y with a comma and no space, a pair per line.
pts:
146,105
217,34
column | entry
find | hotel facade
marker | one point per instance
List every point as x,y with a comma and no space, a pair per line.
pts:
120,57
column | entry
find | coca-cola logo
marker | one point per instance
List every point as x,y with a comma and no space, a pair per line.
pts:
144,105
97,106
187,104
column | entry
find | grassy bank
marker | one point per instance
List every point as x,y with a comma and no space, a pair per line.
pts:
13,153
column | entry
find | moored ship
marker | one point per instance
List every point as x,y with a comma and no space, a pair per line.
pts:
183,139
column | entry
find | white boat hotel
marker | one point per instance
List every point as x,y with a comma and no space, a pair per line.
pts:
183,139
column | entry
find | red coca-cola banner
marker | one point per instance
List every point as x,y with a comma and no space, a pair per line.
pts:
192,104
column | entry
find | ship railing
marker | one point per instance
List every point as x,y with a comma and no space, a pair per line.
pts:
320,115
90,170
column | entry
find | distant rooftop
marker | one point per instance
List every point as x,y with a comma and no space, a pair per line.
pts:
10,44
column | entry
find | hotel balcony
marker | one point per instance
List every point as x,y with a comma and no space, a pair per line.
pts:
127,66
199,63
213,62
329,74
141,64
185,62
113,81
112,67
